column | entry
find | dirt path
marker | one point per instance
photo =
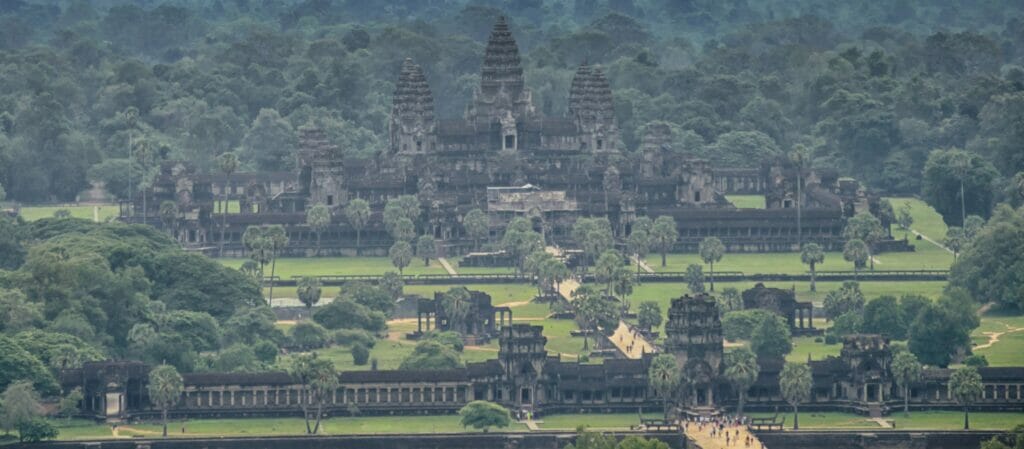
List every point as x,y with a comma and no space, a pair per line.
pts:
993,337
737,437
643,264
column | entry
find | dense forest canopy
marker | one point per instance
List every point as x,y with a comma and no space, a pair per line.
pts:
869,87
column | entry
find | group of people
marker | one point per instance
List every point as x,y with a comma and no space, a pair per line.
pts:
724,427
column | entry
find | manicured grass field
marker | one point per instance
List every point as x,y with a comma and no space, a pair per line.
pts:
928,257
595,421
804,346
747,201
931,420
325,266
104,211
277,427
1009,350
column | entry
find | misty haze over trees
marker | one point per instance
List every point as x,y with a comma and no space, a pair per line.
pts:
871,88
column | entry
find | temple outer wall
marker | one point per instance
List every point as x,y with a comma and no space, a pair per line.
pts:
881,439
532,440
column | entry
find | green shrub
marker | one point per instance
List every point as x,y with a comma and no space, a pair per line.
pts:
360,355
349,337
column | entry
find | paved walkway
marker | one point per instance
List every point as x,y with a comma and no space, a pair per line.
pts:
737,437
643,264
632,345
447,266
932,241
882,423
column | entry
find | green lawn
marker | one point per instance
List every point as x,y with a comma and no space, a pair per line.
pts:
1009,350
593,420
326,266
747,201
104,211
276,427
928,258
932,420
478,270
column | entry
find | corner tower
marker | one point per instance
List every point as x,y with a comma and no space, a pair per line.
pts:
590,106
413,126
502,97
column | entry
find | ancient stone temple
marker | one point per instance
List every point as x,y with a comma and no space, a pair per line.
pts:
798,314
478,321
506,158
693,334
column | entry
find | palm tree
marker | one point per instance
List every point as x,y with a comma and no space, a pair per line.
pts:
400,254
663,377
741,369
800,157
165,386
905,371
256,243
131,116
477,226
227,163
966,387
795,382
639,244
961,165
319,379
318,218
664,234
309,291
711,250
812,255
856,251
144,154
457,307
358,214
277,239
955,240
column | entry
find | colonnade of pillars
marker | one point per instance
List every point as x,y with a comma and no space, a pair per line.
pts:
275,397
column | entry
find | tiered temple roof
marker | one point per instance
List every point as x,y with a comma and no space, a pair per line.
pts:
412,97
502,67
590,97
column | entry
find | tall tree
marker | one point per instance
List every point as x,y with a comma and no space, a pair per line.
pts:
457,307
477,226
957,183
358,214
664,235
857,252
606,267
966,388
639,244
403,230
19,404
595,312
169,217
811,255
795,382
227,163
711,250
309,291
318,218
770,338
741,369
990,266
905,371
664,378
256,242
319,379
401,255
277,240
165,387
695,278
800,156
425,248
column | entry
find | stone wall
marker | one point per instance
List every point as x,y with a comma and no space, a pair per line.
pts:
533,440
883,439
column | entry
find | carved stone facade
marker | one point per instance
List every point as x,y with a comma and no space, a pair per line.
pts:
798,314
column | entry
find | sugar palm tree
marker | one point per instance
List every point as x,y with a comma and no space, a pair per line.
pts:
966,387
905,371
741,369
711,250
318,218
663,377
277,240
812,255
165,387
227,163
795,382
358,214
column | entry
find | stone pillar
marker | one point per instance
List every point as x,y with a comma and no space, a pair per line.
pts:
419,322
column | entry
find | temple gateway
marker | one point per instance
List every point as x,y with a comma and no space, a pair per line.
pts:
507,159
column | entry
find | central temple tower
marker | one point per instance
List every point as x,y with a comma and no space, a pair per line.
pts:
502,98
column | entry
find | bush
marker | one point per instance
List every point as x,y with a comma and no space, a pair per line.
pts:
266,352
309,335
36,430
360,355
349,337
347,314
831,339
450,339
817,339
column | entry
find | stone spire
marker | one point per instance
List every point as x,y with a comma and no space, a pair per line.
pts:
502,68
502,94
590,105
412,112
